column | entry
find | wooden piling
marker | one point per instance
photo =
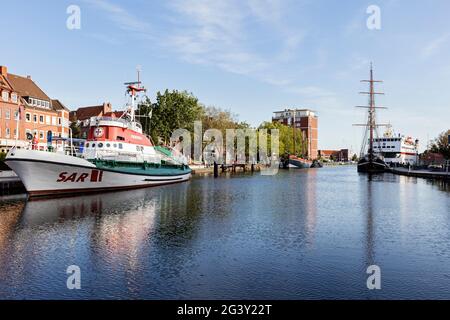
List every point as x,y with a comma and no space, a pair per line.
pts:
216,170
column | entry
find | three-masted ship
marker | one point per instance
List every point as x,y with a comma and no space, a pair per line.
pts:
371,161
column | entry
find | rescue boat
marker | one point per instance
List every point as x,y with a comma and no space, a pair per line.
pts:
117,155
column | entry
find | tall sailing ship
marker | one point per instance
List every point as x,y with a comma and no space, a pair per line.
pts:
117,155
371,161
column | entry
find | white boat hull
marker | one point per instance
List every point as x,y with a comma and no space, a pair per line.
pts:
44,173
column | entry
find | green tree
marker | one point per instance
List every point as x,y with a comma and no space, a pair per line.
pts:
287,138
75,127
441,144
172,110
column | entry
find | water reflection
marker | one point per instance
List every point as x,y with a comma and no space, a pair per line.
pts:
369,243
300,234
9,217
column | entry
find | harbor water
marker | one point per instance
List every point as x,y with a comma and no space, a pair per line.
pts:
301,234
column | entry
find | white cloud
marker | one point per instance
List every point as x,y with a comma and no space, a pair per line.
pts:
219,34
122,17
434,46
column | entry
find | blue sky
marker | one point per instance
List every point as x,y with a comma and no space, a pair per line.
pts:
250,56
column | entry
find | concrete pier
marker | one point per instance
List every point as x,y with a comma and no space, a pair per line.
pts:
442,175
10,183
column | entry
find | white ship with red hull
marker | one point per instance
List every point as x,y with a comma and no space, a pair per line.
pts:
117,155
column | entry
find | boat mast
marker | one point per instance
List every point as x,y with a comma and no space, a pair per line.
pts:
133,88
371,121
293,129
371,115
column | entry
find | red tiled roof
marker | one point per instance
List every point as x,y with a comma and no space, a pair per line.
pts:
26,87
88,112
57,105
328,152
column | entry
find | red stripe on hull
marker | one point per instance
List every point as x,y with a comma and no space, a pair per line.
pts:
63,192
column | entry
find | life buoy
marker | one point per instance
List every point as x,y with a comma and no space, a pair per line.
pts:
98,132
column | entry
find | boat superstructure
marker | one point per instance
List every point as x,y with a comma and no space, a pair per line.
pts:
397,148
117,155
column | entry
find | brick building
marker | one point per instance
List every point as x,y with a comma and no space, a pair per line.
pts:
307,121
335,155
82,115
39,114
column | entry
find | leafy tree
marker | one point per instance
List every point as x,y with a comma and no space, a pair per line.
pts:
172,110
216,118
441,144
75,127
287,138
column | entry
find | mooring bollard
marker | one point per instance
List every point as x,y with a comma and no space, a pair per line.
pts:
216,170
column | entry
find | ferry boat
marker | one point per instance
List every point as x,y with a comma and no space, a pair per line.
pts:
397,149
372,161
117,155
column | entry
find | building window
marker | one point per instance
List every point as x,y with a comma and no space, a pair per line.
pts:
47,119
41,135
41,118
14,97
7,132
54,121
5,95
59,121
35,118
16,115
28,117
15,133
7,114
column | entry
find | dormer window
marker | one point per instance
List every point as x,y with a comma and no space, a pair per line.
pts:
39,103
5,95
14,97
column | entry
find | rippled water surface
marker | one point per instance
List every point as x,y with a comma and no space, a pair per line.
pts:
306,234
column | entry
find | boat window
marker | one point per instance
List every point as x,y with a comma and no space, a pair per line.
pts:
120,146
115,145
93,145
108,145
120,138
100,145
87,145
